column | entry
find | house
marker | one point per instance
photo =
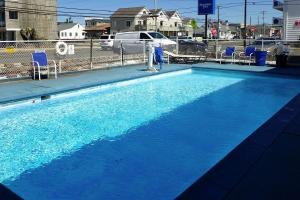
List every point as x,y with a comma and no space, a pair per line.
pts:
129,19
169,23
37,25
291,18
95,27
70,31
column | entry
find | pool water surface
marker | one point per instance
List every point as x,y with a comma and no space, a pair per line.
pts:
148,138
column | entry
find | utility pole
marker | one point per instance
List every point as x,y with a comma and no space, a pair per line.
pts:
218,22
206,26
250,26
245,24
155,8
258,26
264,26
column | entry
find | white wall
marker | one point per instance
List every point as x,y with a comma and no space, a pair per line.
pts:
291,12
74,33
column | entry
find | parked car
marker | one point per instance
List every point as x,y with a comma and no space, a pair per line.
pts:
107,41
191,47
134,42
186,38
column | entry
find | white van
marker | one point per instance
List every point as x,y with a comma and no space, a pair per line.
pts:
134,42
106,41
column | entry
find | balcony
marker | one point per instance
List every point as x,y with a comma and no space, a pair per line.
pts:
161,28
278,5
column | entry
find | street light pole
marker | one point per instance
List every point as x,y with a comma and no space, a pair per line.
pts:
245,24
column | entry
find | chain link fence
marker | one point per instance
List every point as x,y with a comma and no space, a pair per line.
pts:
16,60
16,57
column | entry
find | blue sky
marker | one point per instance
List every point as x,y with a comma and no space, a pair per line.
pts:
233,12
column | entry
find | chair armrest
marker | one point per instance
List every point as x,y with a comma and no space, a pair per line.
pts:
53,61
35,62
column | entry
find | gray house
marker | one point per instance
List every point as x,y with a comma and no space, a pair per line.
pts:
128,19
28,14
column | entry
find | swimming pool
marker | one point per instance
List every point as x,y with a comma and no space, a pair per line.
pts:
148,138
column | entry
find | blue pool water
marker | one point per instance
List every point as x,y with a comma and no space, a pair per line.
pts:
148,138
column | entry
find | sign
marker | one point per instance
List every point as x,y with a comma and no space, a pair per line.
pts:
206,7
71,49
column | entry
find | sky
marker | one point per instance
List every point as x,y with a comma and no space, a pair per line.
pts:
231,10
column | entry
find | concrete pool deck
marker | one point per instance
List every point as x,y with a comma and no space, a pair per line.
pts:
265,166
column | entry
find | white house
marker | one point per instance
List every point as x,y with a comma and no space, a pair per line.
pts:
170,23
291,18
70,31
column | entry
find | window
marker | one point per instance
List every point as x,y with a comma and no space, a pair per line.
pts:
140,22
176,24
13,14
161,23
145,22
70,34
83,34
157,35
128,23
144,36
62,34
76,34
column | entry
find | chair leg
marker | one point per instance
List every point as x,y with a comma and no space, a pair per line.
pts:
34,72
39,70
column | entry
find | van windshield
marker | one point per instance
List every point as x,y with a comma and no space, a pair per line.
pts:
156,35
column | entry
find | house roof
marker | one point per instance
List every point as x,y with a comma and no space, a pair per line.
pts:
61,26
155,11
127,12
101,27
170,13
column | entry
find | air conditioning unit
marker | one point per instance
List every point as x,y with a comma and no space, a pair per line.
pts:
277,21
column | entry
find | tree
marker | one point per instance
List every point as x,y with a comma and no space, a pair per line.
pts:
29,34
194,25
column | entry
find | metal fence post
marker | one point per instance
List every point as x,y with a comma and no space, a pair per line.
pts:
144,51
91,54
121,53
217,47
177,46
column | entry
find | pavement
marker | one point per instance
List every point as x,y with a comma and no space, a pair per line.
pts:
264,166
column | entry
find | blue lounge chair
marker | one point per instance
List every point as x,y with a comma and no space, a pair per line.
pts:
228,53
40,64
159,56
249,54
